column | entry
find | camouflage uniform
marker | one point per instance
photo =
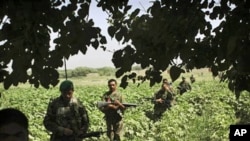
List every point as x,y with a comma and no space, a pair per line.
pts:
113,118
61,115
192,79
184,86
160,108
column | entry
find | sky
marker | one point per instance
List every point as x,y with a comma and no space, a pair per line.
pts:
99,58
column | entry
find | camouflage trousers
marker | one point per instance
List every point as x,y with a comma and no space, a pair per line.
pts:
114,129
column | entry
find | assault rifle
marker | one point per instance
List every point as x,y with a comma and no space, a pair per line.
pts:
152,99
92,134
102,104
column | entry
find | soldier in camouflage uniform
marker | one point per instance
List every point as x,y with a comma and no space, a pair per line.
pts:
165,80
66,116
184,86
113,112
162,100
192,79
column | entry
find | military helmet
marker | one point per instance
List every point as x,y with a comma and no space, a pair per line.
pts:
66,85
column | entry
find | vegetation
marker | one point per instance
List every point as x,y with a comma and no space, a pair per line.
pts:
205,113
84,71
152,38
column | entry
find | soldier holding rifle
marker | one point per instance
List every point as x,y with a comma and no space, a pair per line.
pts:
113,111
162,100
66,116
184,86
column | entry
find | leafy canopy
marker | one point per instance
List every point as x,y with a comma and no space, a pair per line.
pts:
26,28
154,40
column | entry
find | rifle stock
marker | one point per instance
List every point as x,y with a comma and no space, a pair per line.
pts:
102,104
92,134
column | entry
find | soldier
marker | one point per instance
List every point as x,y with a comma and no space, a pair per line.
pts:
113,111
184,86
165,80
162,100
13,125
66,116
192,79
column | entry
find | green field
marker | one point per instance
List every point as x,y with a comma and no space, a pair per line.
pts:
204,114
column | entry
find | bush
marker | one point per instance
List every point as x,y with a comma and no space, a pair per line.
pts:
106,71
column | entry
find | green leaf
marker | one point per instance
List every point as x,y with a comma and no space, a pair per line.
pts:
103,40
103,47
119,36
214,70
124,82
175,72
119,73
127,8
84,11
132,75
134,13
83,49
95,44
231,46
111,31
7,82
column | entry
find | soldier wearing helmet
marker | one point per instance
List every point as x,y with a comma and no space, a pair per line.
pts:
162,100
66,116
184,86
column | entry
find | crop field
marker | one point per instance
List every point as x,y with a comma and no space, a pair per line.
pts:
203,114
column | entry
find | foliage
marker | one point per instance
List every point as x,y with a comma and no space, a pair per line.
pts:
154,40
169,31
106,71
84,71
63,74
25,30
205,113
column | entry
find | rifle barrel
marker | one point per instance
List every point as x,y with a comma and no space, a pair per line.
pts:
102,103
129,104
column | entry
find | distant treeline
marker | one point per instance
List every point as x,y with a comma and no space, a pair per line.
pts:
84,71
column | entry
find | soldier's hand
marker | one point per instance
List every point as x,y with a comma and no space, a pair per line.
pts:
159,100
67,131
111,106
117,102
